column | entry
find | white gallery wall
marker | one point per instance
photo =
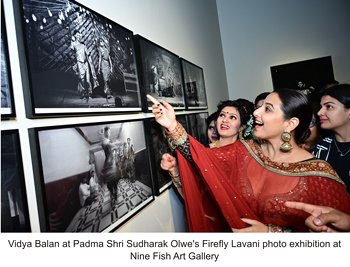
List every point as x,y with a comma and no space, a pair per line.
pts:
259,34
189,29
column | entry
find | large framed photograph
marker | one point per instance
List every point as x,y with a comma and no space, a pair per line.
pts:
159,74
7,102
92,177
198,126
158,146
306,75
14,207
195,94
78,61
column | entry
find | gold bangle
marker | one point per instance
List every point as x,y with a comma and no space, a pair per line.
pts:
176,137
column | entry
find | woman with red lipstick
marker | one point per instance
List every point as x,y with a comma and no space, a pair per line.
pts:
211,128
248,181
232,117
335,117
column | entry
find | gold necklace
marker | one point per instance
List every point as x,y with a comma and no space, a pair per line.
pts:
342,154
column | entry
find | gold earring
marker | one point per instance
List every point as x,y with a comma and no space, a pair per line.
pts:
286,146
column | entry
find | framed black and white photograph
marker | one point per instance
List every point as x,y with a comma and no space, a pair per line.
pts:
158,146
198,126
78,61
93,177
7,102
195,94
306,75
159,74
14,207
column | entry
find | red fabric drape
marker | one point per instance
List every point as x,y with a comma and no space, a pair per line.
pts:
223,185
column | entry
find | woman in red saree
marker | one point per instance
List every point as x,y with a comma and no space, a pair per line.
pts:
250,181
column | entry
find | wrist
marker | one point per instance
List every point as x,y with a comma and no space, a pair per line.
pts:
173,172
172,126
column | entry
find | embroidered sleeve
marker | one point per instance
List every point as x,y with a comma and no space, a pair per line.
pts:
178,139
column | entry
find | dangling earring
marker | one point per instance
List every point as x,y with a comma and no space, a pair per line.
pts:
286,146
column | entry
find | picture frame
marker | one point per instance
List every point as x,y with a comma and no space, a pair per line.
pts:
160,74
198,126
308,75
158,146
14,206
78,62
7,100
91,177
194,85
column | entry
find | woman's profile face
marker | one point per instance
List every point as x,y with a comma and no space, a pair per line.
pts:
333,114
269,119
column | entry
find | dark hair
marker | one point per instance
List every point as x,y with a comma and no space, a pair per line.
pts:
296,104
341,92
244,107
329,84
212,117
261,96
106,129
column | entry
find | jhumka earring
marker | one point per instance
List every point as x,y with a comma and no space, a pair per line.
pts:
286,146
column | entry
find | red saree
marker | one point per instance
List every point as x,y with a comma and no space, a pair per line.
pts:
225,184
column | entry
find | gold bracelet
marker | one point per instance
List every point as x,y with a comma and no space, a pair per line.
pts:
176,137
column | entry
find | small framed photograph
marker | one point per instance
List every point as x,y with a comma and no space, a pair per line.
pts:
308,75
158,146
92,177
14,207
78,61
7,102
198,126
159,74
195,94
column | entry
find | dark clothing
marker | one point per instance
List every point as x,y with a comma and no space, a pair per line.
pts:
327,150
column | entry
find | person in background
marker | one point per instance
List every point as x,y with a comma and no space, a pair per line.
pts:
334,117
232,116
84,192
248,181
259,100
212,132
83,67
105,66
329,84
314,127
323,219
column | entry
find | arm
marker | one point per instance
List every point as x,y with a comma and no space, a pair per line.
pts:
169,164
174,131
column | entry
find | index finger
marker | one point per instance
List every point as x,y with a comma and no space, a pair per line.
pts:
153,100
309,208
